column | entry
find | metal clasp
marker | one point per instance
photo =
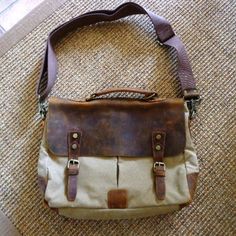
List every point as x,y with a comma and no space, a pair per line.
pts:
72,162
192,106
43,109
158,163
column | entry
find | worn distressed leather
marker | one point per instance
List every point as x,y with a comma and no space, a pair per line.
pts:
116,127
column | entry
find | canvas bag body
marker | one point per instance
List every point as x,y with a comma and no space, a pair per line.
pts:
117,158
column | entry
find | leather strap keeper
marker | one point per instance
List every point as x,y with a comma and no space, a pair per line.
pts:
73,170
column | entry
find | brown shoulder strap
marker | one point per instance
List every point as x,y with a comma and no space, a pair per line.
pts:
164,32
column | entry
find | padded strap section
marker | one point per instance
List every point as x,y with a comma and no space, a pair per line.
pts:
164,33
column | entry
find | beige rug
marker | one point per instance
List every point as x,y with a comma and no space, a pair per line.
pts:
16,29
125,54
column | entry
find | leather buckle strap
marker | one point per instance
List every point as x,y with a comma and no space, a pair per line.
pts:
159,168
74,139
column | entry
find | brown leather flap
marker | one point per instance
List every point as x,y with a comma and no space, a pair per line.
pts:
116,127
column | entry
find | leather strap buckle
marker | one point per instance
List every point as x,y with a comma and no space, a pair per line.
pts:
158,164
73,162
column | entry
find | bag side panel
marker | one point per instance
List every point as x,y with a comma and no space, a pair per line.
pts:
191,161
42,168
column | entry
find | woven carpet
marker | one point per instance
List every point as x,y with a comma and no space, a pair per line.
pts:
125,53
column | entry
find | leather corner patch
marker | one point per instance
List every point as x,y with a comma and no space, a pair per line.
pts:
192,183
117,198
51,208
42,183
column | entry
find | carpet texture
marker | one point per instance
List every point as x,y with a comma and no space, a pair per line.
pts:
125,53
17,32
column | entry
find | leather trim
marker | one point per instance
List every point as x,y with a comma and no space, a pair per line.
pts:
73,168
192,185
158,141
42,183
117,198
51,208
110,127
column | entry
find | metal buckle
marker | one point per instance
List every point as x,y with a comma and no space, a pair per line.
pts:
158,163
43,108
72,162
192,106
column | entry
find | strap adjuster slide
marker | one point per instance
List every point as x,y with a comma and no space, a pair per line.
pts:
192,105
43,109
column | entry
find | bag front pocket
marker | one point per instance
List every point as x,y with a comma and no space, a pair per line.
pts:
136,175
97,175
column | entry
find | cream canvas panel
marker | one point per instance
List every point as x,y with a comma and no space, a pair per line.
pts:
190,155
97,175
136,175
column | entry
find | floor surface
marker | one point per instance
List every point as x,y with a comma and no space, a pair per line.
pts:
12,11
